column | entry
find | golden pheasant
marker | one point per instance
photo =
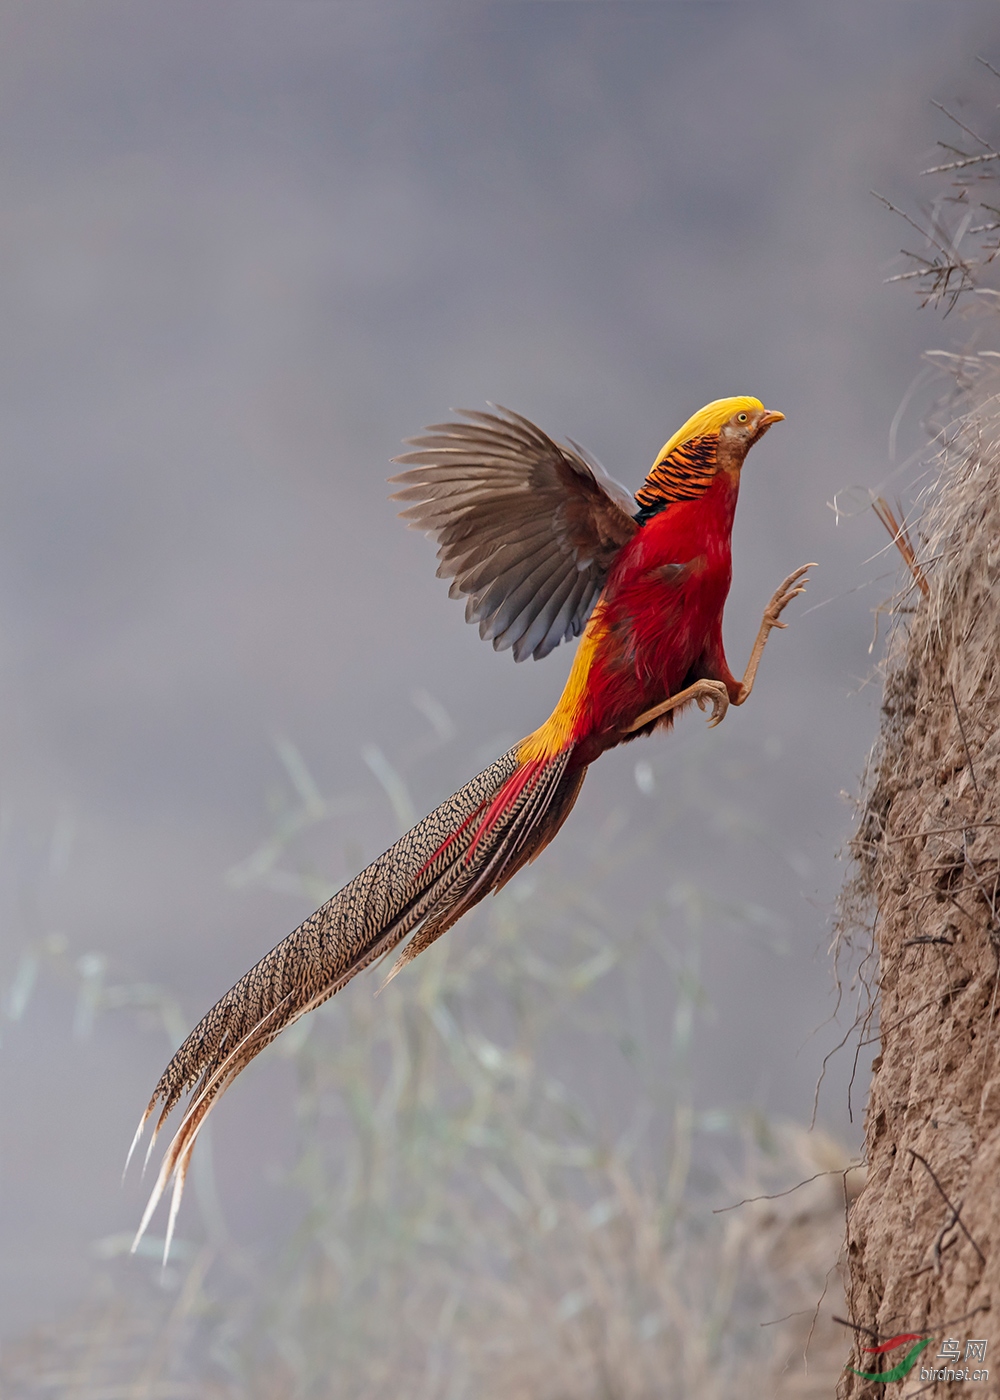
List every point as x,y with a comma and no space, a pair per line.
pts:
544,545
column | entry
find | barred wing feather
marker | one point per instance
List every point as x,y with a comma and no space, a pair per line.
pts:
526,527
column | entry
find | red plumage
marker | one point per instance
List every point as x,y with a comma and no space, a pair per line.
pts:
660,622
543,545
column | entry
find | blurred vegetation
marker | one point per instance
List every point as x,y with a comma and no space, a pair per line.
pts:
471,1223
960,230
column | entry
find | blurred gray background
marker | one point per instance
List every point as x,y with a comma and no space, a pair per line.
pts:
244,250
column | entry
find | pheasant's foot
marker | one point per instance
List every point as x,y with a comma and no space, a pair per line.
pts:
712,693
793,585
703,692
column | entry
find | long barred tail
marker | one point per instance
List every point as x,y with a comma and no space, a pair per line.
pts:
465,848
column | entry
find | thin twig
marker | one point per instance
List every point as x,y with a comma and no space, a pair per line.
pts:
938,831
857,1327
822,1073
887,1027
927,1327
749,1200
901,539
960,164
967,129
801,1312
953,1208
961,730
945,252
815,1318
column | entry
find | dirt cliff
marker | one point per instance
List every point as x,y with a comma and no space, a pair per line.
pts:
923,1236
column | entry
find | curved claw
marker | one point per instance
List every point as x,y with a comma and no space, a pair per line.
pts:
793,585
715,694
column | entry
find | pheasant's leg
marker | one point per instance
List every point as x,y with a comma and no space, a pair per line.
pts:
712,692
793,585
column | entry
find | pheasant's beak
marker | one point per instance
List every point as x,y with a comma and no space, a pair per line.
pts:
772,416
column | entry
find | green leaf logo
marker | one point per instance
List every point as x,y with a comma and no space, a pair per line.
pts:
902,1368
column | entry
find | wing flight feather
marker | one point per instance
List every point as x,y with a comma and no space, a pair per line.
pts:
526,527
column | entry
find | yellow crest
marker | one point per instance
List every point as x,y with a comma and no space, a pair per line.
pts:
687,463
708,420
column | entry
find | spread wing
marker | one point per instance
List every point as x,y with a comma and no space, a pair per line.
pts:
526,527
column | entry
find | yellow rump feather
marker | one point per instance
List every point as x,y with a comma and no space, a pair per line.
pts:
560,729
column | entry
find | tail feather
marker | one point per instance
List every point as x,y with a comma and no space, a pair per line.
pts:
472,844
545,801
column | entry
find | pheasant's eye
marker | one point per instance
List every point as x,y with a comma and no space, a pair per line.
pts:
741,417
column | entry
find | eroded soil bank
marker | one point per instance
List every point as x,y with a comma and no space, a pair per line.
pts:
923,1241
